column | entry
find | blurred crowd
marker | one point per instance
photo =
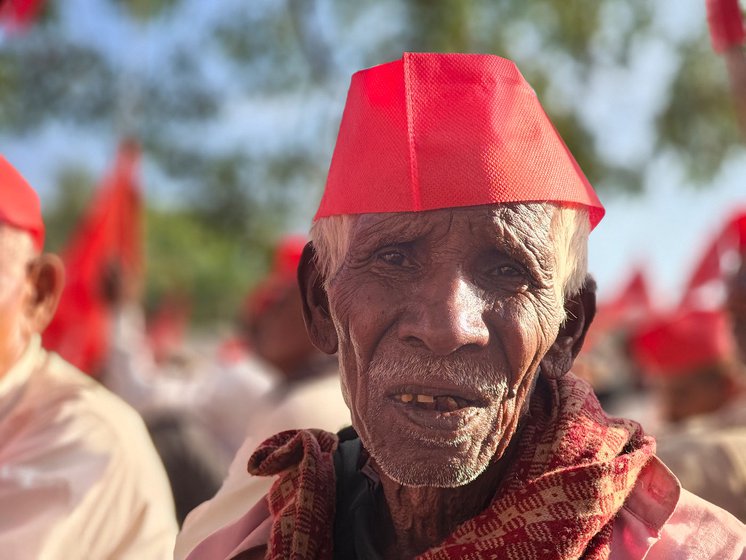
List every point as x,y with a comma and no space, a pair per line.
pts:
194,413
681,372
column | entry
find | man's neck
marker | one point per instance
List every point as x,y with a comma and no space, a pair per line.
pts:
418,518
13,354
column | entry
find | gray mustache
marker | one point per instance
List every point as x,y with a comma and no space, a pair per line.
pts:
478,377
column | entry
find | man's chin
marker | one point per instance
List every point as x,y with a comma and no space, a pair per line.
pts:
434,472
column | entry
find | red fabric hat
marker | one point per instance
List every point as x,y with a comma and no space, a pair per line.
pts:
677,344
287,256
706,286
436,131
629,308
19,203
282,276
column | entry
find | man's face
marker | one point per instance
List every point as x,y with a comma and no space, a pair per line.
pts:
15,288
439,315
279,335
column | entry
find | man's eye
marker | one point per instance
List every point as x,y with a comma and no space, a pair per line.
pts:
508,270
508,275
392,257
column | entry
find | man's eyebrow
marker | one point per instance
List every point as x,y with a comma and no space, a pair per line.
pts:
389,230
519,244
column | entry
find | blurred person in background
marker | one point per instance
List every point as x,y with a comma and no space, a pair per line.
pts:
448,270
272,321
197,406
79,477
605,360
307,393
691,362
727,34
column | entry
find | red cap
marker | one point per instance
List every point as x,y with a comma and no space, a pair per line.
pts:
19,203
281,277
677,344
434,131
287,256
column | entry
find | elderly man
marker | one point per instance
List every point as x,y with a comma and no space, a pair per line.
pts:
448,271
79,477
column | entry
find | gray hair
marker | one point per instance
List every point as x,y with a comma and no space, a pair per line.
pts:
569,230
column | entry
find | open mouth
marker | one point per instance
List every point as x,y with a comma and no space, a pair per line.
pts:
441,403
444,409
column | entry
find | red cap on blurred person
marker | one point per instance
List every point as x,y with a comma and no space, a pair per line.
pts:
287,256
281,277
19,203
706,286
677,344
434,131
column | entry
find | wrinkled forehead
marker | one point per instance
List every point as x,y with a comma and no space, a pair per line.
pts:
521,224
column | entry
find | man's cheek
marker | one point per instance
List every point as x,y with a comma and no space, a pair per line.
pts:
353,387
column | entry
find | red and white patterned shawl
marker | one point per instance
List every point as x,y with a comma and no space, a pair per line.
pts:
572,471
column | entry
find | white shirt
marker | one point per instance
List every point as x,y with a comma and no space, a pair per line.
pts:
79,477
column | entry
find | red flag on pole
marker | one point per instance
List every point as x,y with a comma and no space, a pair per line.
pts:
18,15
706,286
686,339
106,246
629,307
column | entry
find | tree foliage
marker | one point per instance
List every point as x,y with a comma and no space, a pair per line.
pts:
237,192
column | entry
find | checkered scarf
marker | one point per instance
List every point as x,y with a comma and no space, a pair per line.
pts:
571,473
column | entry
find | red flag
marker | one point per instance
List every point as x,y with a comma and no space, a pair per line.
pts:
682,341
18,15
633,300
107,243
706,286
631,306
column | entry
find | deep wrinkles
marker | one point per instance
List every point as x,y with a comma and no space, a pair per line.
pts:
479,378
528,227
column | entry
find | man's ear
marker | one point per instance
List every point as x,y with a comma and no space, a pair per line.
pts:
579,310
46,273
316,313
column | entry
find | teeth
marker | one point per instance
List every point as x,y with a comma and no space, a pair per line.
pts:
447,404
441,403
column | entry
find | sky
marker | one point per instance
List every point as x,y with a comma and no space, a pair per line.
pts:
663,230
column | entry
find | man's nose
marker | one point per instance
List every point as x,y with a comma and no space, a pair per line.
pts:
445,314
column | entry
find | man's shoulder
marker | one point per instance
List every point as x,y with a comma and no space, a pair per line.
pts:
660,520
699,529
66,383
63,406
